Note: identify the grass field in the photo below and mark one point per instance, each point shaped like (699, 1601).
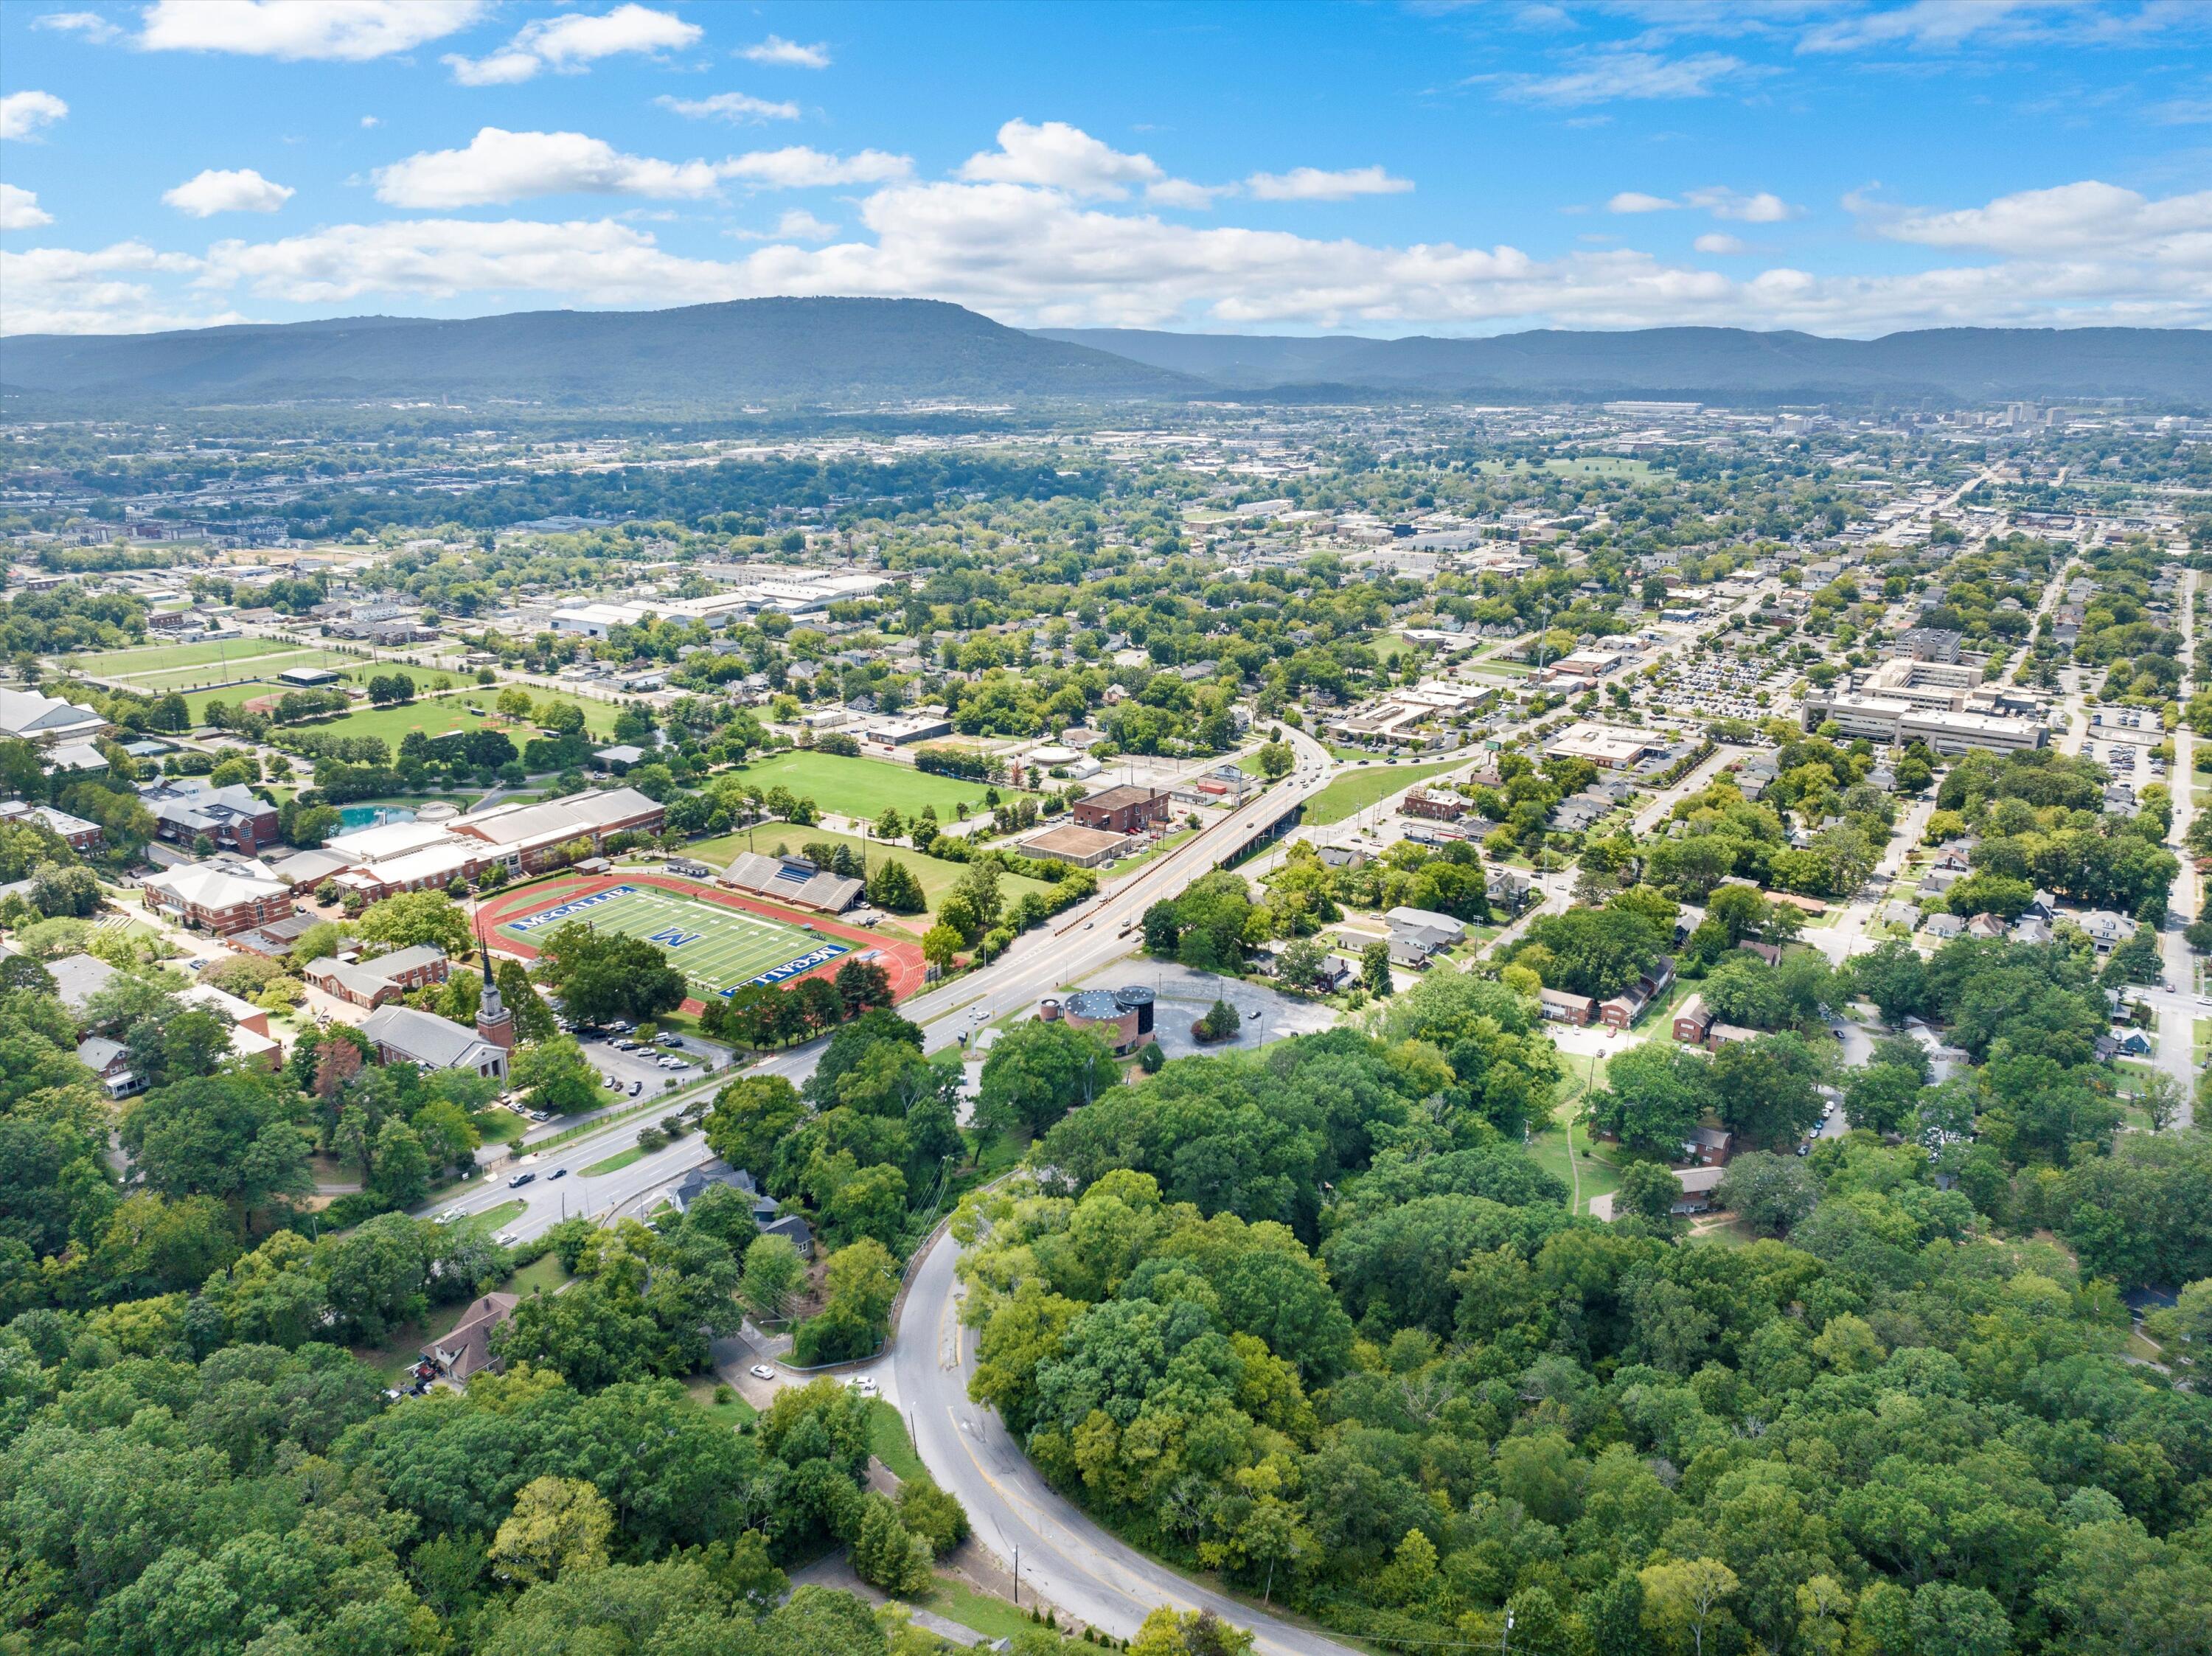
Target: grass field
(616, 1162)
(888, 1443)
(435, 716)
(866, 787)
(160, 657)
(260, 668)
(716, 947)
(935, 875)
(1356, 790)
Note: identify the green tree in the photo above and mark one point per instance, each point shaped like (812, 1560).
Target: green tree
(533, 1019)
(1649, 1191)
(1374, 968)
(750, 1116)
(416, 918)
(1039, 1071)
(893, 888)
(1770, 1193)
(1766, 1091)
(555, 1074)
(774, 1274)
(558, 1525)
(1654, 1096)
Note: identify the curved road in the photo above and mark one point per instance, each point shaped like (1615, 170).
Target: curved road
(1064, 1556)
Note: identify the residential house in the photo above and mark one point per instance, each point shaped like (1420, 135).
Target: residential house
(1944, 928)
(1707, 1147)
(1693, 1019)
(2106, 930)
(1623, 1009)
(464, 1349)
(1417, 934)
(1560, 1007)
(110, 1061)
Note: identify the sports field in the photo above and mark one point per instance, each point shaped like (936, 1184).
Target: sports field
(716, 946)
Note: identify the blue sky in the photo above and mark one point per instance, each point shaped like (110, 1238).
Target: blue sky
(1845, 166)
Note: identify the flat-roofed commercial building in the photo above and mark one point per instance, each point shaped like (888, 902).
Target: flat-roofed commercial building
(1892, 722)
(1607, 749)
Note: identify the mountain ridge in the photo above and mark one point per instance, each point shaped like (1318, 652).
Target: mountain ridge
(817, 351)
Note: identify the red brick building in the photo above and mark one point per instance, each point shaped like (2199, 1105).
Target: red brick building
(1123, 809)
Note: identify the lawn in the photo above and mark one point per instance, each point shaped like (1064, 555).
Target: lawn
(995, 1618)
(261, 669)
(1356, 790)
(865, 787)
(888, 1443)
(616, 1162)
(1563, 1149)
(716, 946)
(936, 875)
(435, 716)
(734, 1412)
(162, 657)
(489, 1221)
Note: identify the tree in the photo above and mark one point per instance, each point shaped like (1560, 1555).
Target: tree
(774, 1273)
(1894, 977)
(1767, 1090)
(1190, 1633)
(885, 1554)
(1655, 1094)
(1374, 968)
(558, 1524)
(403, 1166)
(1770, 1193)
(1683, 1596)
(933, 1514)
(1882, 1097)
(941, 946)
(416, 918)
(861, 985)
(893, 888)
(514, 703)
(1276, 759)
(978, 888)
(861, 1282)
(1649, 1191)
(750, 1116)
(554, 1075)
(2160, 1100)
(1596, 952)
(533, 1018)
(1221, 1022)
(603, 976)
(1037, 1072)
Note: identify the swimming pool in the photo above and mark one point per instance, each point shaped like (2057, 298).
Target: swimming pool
(361, 816)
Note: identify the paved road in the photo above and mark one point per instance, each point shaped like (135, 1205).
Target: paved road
(1065, 1556)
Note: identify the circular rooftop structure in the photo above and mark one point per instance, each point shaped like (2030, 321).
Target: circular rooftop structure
(1099, 1005)
(1135, 996)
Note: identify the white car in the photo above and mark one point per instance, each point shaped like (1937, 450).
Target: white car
(672, 1063)
(505, 1239)
(761, 1371)
(449, 1215)
(864, 1384)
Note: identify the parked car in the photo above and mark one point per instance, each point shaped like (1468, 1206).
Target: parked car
(672, 1063)
(635, 1087)
(668, 1040)
(761, 1371)
(520, 1180)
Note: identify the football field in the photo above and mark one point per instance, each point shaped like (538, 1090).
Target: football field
(716, 947)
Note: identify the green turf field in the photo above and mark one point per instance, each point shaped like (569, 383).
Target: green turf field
(435, 715)
(866, 787)
(1354, 789)
(717, 948)
(157, 658)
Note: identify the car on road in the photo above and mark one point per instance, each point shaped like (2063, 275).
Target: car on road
(864, 1384)
(506, 1239)
(520, 1180)
(761, 1371)
(449, 1215)
(557, 1173)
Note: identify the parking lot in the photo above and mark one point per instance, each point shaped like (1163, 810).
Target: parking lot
(642, 1067)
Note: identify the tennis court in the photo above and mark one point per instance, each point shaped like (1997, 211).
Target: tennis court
(716, 946)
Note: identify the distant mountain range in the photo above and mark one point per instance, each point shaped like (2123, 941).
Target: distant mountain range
(842, 351)
(754, 350)
(1712, 364)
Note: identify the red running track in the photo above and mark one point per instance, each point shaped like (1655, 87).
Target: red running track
(902, 960)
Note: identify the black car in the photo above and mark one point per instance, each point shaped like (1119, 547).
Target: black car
(520, 1178)
(557, 1173)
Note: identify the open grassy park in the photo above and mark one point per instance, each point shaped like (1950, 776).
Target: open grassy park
(435, 715)
(1357, 789)
(865, 787)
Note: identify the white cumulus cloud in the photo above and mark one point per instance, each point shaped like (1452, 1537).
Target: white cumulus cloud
(88, 24)
(350, 30)
(22, 113)
(730, 106)
(1714, 242)
(1722, 202)
(574, 41)
(19, 209)
(243, 190)
(1059, 157)
(61, 290)
(1314, 184)
(2071, 221)
(796, 225)
(787, 54)
(499, 166)
(1635, 201)
(798, 167)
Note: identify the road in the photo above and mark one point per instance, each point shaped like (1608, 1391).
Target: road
(1065, 1556)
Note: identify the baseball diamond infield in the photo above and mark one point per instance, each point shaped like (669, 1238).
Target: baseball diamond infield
(718, 939)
